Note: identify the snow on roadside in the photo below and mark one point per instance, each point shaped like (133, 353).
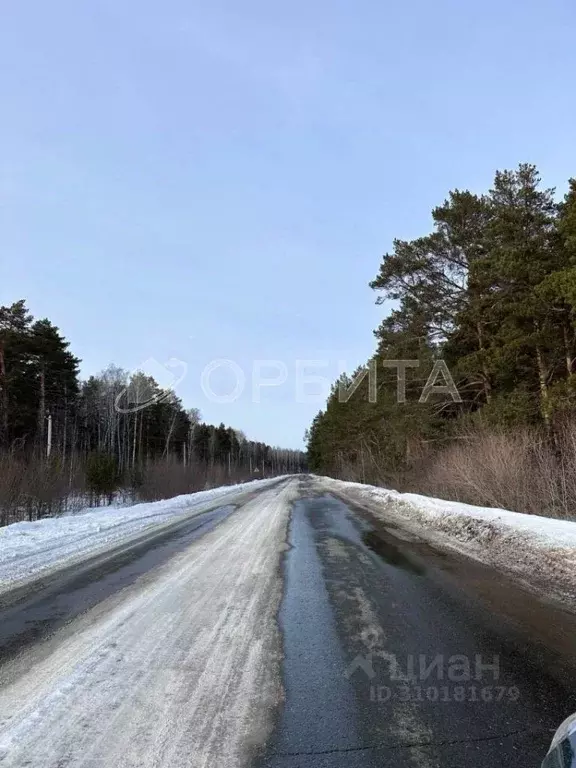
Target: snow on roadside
(29, 549)
(540, 551)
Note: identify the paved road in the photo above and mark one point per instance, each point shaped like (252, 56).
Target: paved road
(286, 630)
(364, 608)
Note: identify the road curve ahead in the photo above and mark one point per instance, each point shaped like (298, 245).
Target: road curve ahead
(289, 630)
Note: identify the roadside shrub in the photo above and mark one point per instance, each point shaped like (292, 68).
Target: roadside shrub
(102, 477)
(526, 471)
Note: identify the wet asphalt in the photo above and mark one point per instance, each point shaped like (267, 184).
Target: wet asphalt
(364, 607)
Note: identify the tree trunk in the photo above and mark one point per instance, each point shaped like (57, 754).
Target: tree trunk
(567, 351)
(169, 435)
(134, 439)
(486, 382)
(3, 398)
(544, 399)
(42, 406)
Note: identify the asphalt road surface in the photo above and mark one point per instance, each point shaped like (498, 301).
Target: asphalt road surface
(289, 629)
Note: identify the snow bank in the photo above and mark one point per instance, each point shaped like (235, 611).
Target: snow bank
(28, 549)
(541, 551)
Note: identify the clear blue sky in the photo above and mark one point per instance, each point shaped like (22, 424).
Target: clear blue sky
(200, 180)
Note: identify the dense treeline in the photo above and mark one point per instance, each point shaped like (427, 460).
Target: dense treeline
(492, 293)
(61, 437)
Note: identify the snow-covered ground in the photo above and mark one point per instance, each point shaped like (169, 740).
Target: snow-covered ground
(539, 551)
(28, 550)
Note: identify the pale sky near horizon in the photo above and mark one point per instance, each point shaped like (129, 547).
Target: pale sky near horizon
(197, 181)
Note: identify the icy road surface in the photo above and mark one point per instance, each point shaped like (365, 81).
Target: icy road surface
(29, 550)
(176, 670)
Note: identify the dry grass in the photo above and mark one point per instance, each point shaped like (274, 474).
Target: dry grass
(523, 471)
(32, 488)
(35, 488)
(164, 479)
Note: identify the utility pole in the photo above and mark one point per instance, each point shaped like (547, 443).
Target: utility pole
(49, 437)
